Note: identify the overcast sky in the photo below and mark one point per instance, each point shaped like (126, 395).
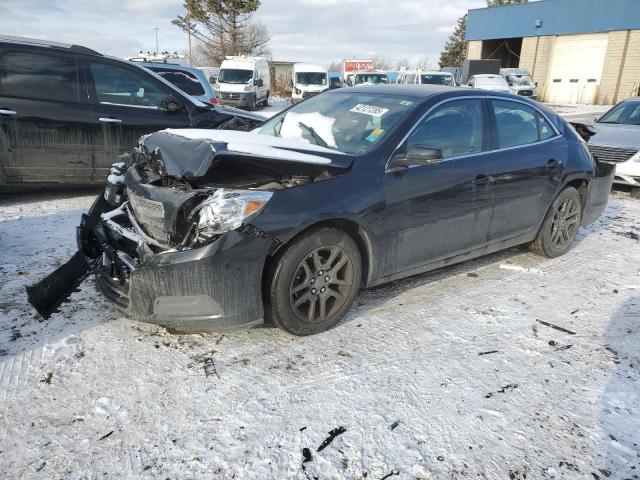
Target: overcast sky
(301, 30)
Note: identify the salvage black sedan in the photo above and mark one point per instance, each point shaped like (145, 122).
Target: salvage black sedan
(209, 229)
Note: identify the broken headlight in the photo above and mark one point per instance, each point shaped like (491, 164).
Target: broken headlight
(227, 210)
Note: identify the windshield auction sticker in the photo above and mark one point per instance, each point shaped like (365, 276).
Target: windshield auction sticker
(369, 110)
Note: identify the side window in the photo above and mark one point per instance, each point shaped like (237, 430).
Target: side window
(516, 123)
(185, 81)
(121, 86)
(546, 130)
(40, 77)
(455, 128)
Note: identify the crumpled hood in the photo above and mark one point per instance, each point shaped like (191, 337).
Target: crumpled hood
(191, 153)
(623, 136)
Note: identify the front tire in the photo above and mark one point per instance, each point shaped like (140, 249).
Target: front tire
(265, 103)
(314, 282)
(560, 226)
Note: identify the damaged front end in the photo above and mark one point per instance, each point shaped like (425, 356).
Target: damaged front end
(170, 242)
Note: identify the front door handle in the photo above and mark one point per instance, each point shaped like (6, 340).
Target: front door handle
(110, 120)
(551, 164)
(481, 180)
(6, 111)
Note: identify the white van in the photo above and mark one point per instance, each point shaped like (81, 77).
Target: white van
(426, 77)
(309, 79)
(373, 77)
(243, 82)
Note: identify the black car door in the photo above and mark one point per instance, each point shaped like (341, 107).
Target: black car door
(45, 122)
(439, 210)
(128, 102)
(526, 168)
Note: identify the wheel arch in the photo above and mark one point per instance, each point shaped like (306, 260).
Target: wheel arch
(349, 226)
(582, 186)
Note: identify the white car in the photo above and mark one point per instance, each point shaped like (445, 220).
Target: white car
(616, 138)
(426, 77)
(497, 83)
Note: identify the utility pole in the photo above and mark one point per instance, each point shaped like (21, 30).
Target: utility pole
(157, 49)
(189, 32)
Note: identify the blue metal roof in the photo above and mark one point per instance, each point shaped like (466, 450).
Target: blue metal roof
(556, 17)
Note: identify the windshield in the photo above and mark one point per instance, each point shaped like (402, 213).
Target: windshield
(499, 81)
(627, 113)
(232, 75)
(429, 79)
(311, 78)
(351, 123)
(371, 78)
(520, 80)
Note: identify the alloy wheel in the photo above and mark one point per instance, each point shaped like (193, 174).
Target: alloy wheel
(321, 284)
(565, 223)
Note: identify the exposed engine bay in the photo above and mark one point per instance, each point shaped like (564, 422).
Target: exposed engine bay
(177, 191)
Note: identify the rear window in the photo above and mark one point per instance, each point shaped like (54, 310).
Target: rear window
(185, 81)
(39, 77)
(519, 124)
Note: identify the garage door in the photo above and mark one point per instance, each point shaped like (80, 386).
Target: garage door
(576, 68)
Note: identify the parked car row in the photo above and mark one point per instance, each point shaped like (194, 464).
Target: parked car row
(67, 111)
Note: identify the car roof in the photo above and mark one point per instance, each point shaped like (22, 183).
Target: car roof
(487, 75)
(418, 91)
(16, 40)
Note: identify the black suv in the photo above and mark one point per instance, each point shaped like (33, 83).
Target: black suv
(67, 112)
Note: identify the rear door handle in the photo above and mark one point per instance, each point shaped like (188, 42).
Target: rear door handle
(110, 120)
(551, 164)
(6, 111)
(482, 180)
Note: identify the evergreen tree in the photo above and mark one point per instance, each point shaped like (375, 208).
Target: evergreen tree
(456, 48)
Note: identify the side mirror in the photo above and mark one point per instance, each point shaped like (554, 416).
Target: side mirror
(417, 155)
(169, 105)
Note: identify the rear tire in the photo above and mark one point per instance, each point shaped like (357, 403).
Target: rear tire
(560, 226)
(635, 192)
(314, 283)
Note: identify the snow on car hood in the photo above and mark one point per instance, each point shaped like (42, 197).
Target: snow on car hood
(623, 136)
(189, 153)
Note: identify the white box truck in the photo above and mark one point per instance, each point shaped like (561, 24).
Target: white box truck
(350, 67)
(309, 79)
(243, 82)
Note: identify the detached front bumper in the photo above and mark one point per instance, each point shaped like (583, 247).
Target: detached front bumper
(216, 287)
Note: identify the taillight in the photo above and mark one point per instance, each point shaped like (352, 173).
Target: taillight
(214, 101)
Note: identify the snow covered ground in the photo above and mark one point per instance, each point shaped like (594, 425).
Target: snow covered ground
(508, 367)
(276, 104)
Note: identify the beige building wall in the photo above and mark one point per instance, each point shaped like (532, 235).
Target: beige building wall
(535, 56)
(630, 78)
(613, 66)
(474, 50)
(621, 72)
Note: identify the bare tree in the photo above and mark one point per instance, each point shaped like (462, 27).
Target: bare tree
(403, 63)
(224, 27)
(424, 63)
(381, 63)
(334, 67)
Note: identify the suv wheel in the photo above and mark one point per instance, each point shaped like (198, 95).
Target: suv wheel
(560, 225)
(314, 282)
